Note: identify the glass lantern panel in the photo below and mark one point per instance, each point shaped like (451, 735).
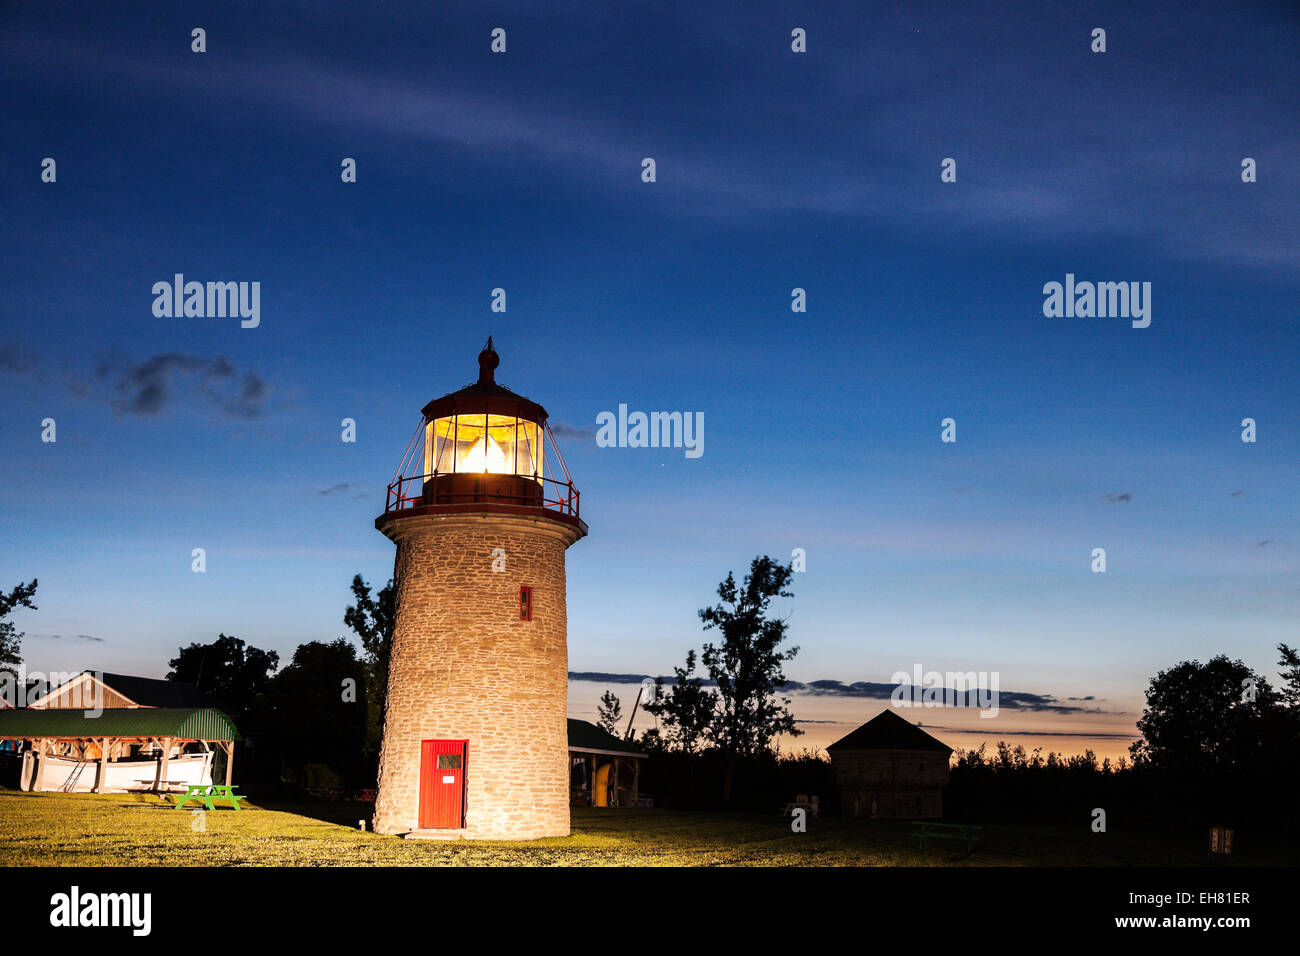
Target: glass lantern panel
(469, 444)
(525, 448)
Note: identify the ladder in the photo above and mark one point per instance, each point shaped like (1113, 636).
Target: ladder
(70, 784)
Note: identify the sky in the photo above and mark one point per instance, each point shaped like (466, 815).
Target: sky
(774, 170)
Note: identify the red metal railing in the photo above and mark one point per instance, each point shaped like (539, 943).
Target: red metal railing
(408, 492)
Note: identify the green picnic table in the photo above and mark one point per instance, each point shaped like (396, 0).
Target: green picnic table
(931, 829)
(206, 793)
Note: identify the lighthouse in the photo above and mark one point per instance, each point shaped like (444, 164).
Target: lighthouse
(482, 510)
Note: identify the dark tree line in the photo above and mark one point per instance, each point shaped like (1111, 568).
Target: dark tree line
(1219, 746)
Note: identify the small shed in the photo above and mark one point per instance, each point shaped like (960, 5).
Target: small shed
(889, 767)
(120, 749)
(604, 770)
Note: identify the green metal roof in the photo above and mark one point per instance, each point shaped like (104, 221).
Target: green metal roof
(186, 723)
(586, 736)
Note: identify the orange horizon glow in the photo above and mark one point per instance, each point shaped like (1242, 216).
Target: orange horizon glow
(826, 718)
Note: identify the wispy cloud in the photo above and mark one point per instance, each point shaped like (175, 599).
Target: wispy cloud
(1002, 732)
(871, 690)
(71, 637)
(16, 359)
(591, 144)
(151, 386)
(345, 487)
(573, 432)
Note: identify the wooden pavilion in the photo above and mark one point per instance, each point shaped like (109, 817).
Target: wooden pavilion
(604, 770)
(145, 748)
(137, 733)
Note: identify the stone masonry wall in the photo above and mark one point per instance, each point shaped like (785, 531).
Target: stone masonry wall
(464, 666)
(905, 783)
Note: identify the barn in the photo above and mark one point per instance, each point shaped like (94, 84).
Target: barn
(889, 767)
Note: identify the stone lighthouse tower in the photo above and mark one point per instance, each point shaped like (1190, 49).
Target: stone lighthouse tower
(475, 733)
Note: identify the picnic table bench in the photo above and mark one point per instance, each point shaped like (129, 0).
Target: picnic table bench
(932, 829)
(206, 793)
(364, 794)
(811, 805)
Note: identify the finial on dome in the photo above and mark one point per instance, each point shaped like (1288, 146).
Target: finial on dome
(488, 360)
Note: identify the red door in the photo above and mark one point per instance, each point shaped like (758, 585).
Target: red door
(442, 784)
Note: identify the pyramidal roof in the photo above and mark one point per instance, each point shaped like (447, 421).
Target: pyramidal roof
(888, 731)
(485, 395)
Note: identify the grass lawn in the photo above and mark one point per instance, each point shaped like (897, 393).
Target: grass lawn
(42, 829)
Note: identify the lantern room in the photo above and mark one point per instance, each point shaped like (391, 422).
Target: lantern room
(482, 446)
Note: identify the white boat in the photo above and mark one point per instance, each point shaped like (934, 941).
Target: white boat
(80, 776)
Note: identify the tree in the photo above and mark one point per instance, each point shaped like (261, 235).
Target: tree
(608, 713)
(748, 663)
(11, 639)
(1205, 717)
(235, 675)
(318, 716)
(743, 715)
(687, 710)
(11, 642)
(372, 619)
(1285, 730)
(1290, 664)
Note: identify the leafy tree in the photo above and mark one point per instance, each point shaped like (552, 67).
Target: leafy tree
(318, 714)
(1290, 664)
(687, 710)
(748, 663)
(1205, 717)
(11, 642)
(11, 639)
(372, 619)
(743, 715)
(608, 713)
(237, 675)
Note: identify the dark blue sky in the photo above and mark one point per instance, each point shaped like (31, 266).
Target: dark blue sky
(775, 170)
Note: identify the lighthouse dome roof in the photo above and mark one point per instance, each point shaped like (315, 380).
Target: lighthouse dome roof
(485, 395)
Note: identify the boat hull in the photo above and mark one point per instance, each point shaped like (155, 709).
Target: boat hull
(76, 776)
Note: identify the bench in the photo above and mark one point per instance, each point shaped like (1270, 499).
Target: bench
(811, 805)
(931, 830)
(206, 793)
(160, 786)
